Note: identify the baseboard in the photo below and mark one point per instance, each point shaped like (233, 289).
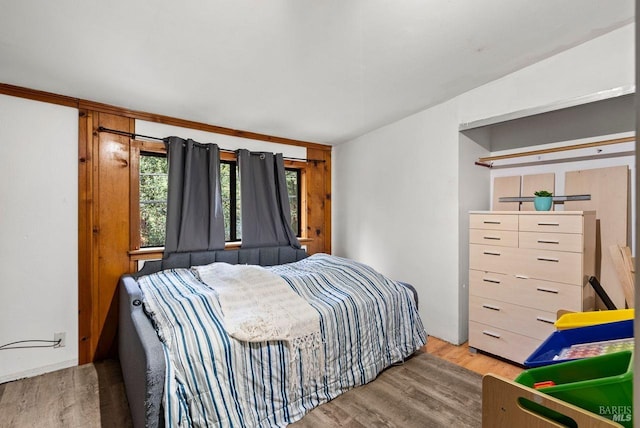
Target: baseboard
(39, 370)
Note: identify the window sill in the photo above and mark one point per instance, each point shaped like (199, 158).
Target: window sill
(150, 253)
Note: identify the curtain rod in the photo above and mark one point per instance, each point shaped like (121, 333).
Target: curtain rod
(134, 135)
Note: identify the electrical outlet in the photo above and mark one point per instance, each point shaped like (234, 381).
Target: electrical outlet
(60, 339)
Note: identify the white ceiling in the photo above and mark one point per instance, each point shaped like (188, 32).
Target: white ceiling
(317, 70)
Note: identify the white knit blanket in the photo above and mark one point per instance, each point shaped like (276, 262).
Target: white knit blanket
(258, 306)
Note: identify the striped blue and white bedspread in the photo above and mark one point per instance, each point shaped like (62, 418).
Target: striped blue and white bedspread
(368, 322)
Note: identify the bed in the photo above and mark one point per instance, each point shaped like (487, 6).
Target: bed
(145, 359)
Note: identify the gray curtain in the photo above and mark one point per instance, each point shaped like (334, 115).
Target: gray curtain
(195, 220)
(265, 210)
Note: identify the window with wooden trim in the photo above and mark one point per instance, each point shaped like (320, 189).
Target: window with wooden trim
(293, 178)
(151, 188)
(230, 200)
(153, 199)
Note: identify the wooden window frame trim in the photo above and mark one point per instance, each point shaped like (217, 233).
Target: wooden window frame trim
(136, 253)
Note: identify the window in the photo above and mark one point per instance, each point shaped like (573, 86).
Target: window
(230, 201)
(153, 199)
(293, 176)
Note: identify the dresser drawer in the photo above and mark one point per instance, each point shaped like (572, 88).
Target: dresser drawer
(492, 258)
(572, 242)
(515, 318)
(512, 346)
(551, 223)
(492, 285)
(493, 221)
(501, 238)
(543, 295)
(556, 266)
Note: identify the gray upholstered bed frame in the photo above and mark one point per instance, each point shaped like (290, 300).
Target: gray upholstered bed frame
(140, 350)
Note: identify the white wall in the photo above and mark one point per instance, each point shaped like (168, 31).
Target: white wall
(396, 208)
(474, 187)
(39, 234)
(601, 64)
(416, 235)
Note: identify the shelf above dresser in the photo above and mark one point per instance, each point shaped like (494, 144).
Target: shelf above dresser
(554, 198)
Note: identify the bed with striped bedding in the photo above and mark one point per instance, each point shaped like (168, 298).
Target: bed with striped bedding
(367, 321)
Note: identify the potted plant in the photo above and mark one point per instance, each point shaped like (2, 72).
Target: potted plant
(543, 200)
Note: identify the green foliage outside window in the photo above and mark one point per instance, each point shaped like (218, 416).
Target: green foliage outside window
(153, 200)
(230, 199)
(293, 189)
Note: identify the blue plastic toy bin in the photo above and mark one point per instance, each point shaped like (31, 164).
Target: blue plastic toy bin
(549, 351)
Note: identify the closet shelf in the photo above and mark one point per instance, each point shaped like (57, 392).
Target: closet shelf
(554, 198)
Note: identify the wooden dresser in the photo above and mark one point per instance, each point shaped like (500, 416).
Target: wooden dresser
(523, 267)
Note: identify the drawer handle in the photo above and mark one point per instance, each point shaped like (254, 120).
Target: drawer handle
(547, 241)
(548, 259)
(493, 238)
(491, 222)
(488, 333)
(493, 308)
(491, 253)
(543, 223)
(547, 290)
(493, 281)
(522, 277)
(544, 320)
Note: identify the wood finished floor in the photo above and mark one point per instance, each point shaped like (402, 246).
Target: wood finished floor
(92, 395)
(423, 392)
(87, 396)
(477, 362)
